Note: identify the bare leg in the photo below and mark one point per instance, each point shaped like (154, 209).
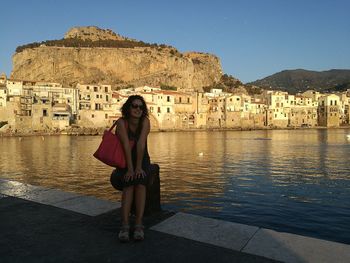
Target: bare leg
(140, 200)
(127, 197)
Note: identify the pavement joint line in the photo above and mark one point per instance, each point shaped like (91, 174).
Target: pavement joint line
(250, 239)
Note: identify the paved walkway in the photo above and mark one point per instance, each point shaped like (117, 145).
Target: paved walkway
(46, 225)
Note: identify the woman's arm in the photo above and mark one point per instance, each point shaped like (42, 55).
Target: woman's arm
(124, 138)
(141, 143)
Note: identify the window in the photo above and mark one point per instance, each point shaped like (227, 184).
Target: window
(168, 98)
(180, 99)
(92, 115)
(168, 110)
(188, 100)
(331, 102)
(45, 112)
(158, 109)
(335, 102)
(106, 116)
(95, 89)
(106, 97)
(106, 89)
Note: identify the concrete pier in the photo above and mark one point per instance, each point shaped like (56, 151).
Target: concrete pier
(38, 224)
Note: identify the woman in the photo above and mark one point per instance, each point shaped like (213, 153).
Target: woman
(134, 125)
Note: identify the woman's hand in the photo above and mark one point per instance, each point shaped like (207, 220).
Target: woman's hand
(139, 173)
(128, 176)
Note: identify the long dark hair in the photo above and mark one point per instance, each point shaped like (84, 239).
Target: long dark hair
(126, 110)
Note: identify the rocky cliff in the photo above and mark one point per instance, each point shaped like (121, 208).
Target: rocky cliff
(140, 64)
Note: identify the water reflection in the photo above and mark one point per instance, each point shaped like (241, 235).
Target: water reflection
(292, 180)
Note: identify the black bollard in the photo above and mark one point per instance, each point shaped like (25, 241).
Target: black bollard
(153, 191)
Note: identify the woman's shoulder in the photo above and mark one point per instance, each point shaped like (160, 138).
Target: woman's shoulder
(121, 122)
(146, 122)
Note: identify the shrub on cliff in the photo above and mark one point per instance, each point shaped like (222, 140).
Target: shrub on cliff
(76, 42)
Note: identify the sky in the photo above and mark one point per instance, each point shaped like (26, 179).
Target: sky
(252, 38)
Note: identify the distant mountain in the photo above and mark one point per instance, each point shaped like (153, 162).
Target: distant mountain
(300, 80)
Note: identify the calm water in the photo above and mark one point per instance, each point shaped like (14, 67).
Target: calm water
(294, 181)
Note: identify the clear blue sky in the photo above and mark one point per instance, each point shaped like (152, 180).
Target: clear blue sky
(253, 38)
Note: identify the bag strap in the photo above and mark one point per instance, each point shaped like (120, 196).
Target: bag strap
(115, 123)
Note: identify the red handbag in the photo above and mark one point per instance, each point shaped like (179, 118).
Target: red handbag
(111, 150)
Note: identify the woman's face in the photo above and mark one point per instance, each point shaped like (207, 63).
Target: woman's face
(136, 108)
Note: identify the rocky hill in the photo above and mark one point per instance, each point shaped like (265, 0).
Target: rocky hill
(300, 80)
(99, 56)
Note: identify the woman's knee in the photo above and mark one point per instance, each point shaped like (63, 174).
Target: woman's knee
(139, 187)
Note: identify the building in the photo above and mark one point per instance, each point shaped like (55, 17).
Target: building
(328, 111)
(95, 105)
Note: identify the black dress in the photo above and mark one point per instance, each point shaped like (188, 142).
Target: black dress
(117, 177)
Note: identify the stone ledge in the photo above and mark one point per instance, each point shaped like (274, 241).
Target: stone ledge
(270, 244)
(87, 205)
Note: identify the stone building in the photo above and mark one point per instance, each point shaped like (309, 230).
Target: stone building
(276, 114)
(95, 105)
(328, 111)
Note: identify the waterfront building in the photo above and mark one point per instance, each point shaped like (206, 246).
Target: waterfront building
(95, 105)
(201, 109)
(328, 110)
(164, 108)
(258, 113)
(234, 111)
(302, 116)
(14, 87)
(314, 95)
(217, 112)
(185, 110)
(276, 113)
(3, 95)
(344, 109)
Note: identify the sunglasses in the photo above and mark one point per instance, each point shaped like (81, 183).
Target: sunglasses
(135, 106)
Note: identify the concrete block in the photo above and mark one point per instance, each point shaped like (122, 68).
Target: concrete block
(294, 248)
(216, 232)
(17, 189)
(88, 205)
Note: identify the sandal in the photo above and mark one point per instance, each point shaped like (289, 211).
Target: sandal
(139, 235)
(124, 233)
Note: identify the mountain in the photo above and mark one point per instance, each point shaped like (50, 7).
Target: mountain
(300, 80)
(100, 56)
